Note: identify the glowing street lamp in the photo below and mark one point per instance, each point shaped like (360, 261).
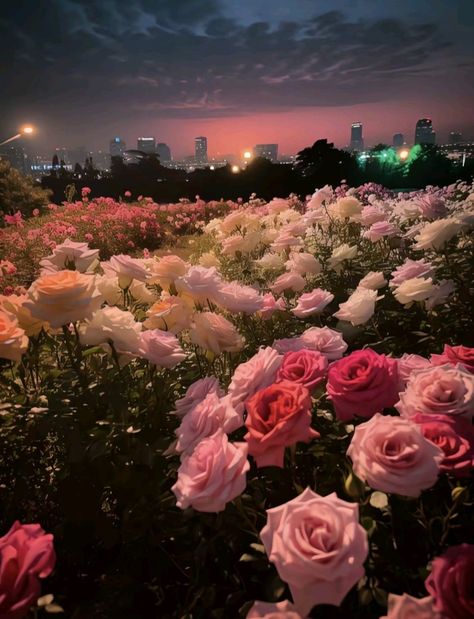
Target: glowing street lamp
(403, 154)
(235, 169)
(25, 130)
(247, 155)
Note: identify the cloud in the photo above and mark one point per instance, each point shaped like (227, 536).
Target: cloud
(187, 58)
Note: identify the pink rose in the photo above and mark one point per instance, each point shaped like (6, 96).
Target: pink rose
(199, 283)
(407, 607)
(208, 416)
(126, 269)
(277, 417)
(318, 547)
(234, 297)
(363, 383)
(249, 377)
(392, 455)
(322, 339)
(311, 303)
(161, 348)
(26, 554)
(450, 582)
(454, 436)
(167, 269)
(439, 390)
(306, 367)
(288, 281)
(281, 610)
(196, 393)
(270, 305)
(379, 230)
(454, 355)
(410, 269)
(213, 475)
(408, 364)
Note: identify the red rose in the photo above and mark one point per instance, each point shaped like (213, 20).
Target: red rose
(278, 416)
(26, 554)
(450, 582)
(362, 384)
(306, 367)
(455, 436)
(456, 354)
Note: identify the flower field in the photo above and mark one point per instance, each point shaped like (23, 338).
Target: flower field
(271, 418)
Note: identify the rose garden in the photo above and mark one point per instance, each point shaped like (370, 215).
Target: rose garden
(214, 410)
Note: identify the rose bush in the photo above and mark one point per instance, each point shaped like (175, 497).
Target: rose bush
(162, 415)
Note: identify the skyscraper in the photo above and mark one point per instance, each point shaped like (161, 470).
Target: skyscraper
(147, 145)
(267, 151)
(163, 151)
(424, 133)
(357, 141)
(455, 137)
(398, 140)
(200, 149)
(116, 147)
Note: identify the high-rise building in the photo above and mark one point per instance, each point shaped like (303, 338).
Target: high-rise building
(163, 151)
(455, 137)
(357, 141)
(398, 140)
(117, 147)
(147, 145)
(16, 156)
(424, 133)
(78, 155)
(267, 151)
(200, 149)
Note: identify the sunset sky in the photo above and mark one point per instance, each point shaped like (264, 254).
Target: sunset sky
(238, 72)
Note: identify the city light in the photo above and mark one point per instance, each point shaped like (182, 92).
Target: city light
(247, 154)
(211, 167)
(403, 154)
(235, 169)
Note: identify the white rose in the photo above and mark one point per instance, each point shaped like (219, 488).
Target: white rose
(343, 252)
(435, 234)
(373, 281)
(111, 324)
(303, 263)
(348, 207)
(414, 289)
(359, 307)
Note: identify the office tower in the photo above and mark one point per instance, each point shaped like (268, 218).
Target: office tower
(147, 145)
(62, 155)
(200, 149)
(267, 151)
(424, 133)
(398, 140)
(455, 137)
(163, 151)
(357, 141)
(116, 147)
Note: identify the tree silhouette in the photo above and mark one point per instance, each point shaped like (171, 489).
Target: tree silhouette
(322, 164)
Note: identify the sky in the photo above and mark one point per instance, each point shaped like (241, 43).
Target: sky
(239, 72)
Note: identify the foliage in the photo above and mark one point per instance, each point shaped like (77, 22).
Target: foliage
(19, 193)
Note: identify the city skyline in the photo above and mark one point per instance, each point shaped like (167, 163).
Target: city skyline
(261, 72)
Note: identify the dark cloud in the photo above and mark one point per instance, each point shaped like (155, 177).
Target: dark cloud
(189, 58)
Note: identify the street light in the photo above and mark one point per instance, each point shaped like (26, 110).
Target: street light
(25, 130)
(403, 154)
(247, 154)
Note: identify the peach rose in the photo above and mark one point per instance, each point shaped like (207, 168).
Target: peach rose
(213, 332)
(234, 297)
(13, 341)
(63, 297)
(166, 270)
(199, 283)
(15, 304)
(169, 313)
(288, 281)
(126, 269)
